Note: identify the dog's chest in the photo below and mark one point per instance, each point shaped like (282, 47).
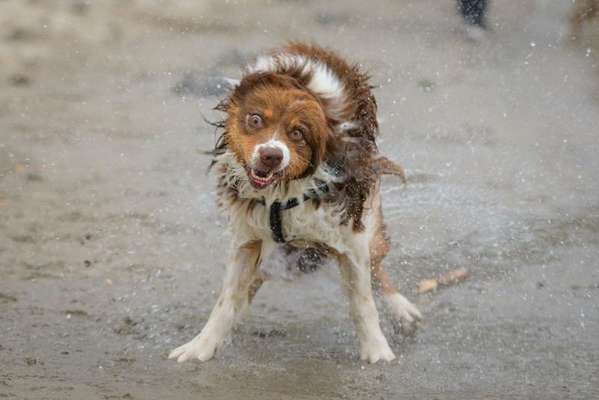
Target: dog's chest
(307, 209)
(304, 222)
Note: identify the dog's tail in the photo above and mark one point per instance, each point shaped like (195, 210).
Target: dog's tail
(384, 166)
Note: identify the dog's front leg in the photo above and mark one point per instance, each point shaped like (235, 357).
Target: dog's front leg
(239, 276)
(355, 272)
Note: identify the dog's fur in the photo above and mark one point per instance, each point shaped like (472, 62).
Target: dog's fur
(301, 119)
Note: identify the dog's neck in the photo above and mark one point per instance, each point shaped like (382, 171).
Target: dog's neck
(233, 175)
(278, 198)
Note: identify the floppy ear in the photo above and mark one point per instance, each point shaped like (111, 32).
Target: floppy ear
(323, 146)
(318, 145)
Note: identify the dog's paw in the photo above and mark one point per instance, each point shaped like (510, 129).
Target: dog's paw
(376, 349)
(201, 347)
(405, 314)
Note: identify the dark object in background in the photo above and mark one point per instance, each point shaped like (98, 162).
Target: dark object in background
(473, 12)
(582, 11)
(194, 84)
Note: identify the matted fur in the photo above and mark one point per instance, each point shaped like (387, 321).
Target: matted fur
(303, 85)
(351, 151)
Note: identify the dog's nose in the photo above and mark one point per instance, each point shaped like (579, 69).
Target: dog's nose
(271, 157)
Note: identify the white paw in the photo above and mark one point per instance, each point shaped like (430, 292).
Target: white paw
(376, 349)
(202, 347)
(403, 312)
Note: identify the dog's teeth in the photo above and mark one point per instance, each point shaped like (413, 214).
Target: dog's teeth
(262, 179)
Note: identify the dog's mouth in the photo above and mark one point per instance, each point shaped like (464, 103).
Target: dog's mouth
(261, 179)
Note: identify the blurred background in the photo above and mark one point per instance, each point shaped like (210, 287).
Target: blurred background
(112, 252)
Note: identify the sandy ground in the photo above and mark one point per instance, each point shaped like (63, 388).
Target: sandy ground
(111, 252)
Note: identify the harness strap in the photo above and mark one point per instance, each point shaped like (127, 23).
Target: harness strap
(275, 216)
(276, 222)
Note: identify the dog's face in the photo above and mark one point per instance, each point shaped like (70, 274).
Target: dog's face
(277, 129)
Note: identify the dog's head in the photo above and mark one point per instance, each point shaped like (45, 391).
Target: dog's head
(276, 128)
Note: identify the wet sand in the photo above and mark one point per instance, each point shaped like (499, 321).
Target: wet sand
(112, 253)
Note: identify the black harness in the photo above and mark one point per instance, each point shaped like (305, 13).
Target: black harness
(275, 213)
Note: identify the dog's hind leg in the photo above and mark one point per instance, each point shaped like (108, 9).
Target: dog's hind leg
(236, 293)
(405, 314)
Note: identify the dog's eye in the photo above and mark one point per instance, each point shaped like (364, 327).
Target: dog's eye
(296, 135)
(254, 121)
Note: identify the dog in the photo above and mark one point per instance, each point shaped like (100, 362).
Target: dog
(298, 173)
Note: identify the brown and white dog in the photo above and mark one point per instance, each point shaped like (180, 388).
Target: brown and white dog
(298, 175)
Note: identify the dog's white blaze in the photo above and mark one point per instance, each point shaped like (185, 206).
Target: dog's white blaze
(324, 82)
(276, 144)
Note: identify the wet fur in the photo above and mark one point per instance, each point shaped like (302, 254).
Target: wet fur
(345, 223)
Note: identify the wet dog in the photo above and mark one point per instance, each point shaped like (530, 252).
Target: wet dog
(298, 176)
